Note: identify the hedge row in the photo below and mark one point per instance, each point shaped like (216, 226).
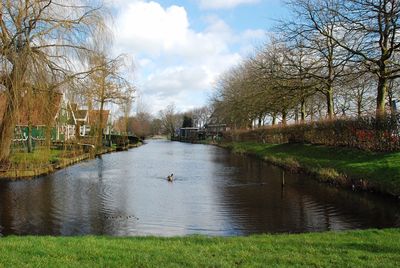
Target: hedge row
(366, 133)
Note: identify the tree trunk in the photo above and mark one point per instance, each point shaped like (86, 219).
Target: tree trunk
(329, 102)
(260, 117)
(7, 127)
(284, 117)
(302, 111)
(381, 97)
(7, 131)
(48, 131)
(49, 120)
(359, 106)
(312, 111)
(99, 142)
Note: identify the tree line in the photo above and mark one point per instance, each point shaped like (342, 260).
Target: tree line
(166, 122)
(330, 58)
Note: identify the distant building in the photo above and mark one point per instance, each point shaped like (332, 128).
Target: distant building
(189, 133)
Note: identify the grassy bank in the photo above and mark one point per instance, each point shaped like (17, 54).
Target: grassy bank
(24, 165)
(37, 157)
(358, 248)
(40, 162)
(347, 167)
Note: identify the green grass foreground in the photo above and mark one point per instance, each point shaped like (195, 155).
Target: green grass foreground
(380, 170)
(371, 248)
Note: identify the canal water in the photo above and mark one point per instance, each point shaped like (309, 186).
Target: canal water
(214, 193)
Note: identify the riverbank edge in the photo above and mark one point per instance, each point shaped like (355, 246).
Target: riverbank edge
(51, 168)
(322, 173)
(366, 248)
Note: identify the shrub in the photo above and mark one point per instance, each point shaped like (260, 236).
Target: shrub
(367, 133)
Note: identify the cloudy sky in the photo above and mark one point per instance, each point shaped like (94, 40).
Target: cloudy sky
(180, 47)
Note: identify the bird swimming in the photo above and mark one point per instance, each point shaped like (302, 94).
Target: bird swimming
(170, 178)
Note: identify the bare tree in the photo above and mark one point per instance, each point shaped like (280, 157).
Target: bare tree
(370, 31)
(201, 115)
(40, 35)
(108, 86)
(314, 23)
(169, 119)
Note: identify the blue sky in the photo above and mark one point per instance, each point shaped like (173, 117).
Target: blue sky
(181, 47)
(253, 15)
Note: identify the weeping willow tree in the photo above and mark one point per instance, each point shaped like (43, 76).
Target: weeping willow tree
(41, 44)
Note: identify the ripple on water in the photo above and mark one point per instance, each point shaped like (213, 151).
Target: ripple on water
(214, 193)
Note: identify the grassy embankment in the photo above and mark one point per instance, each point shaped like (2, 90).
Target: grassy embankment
(44, 161)
(39, 162)
(37, 157)
(343, 166)
(370, 248)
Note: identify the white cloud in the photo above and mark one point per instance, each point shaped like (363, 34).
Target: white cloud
(187, 78)
(224, 4)
(174, 80)
(148, 27)
(175, 62)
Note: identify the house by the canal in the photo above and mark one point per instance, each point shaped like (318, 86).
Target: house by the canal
(38, 112)
(42, 111)
(83, 122)
(193, 134)
(188, 133)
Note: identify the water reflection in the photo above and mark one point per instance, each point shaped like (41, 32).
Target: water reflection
(215, 193)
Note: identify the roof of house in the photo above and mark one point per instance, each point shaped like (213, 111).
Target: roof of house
(77, 114)
(94, 117)
(39, 109)
(80, 114)
(90, 117)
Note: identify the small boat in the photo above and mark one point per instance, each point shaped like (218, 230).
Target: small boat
(170, 178)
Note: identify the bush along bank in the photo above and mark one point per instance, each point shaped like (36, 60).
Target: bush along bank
(366, 133)
(345, 167)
